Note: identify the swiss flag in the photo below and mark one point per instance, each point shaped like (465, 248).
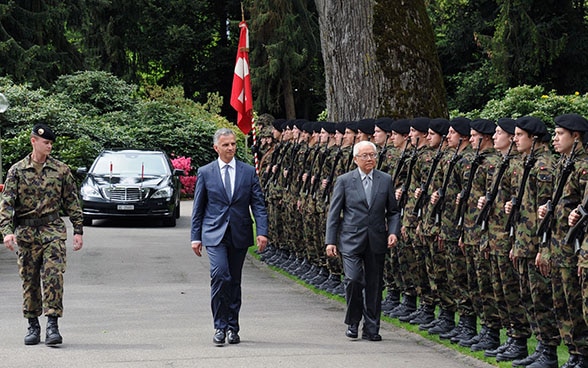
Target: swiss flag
(241, 98)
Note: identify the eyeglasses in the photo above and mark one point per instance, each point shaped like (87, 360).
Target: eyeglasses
(366, 156)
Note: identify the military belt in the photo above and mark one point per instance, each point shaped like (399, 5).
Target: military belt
(36, 222)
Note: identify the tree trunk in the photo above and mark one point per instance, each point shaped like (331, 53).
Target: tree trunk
(380, 60)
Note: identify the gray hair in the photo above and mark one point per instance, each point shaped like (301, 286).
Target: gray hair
(222, 132)
(358, 145)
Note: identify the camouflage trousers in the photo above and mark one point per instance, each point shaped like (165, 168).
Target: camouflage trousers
(312, 237)
(537, 298)
(457, 279)
(292, 227)
(392, 275)
(505, 284)
(407, 261)
(437, 274)
(274, 217)
(423, 256)
(41, 268)
(490, 315)
(567, 302)
(472, 291)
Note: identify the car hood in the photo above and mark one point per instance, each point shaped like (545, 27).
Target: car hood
(131, 181)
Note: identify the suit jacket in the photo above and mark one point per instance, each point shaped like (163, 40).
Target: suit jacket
(213, 211)
(361, 224)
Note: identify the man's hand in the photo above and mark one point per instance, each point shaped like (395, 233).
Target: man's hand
(261, 243)
(481, 202)
(197, 248)
(331, 250)
(574, 217)
(508, 207)
(392, 240)
(542, 211)
(543, 265)
(78, 242)
(10, 241)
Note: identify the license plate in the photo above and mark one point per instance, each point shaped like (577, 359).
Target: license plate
(125, 207)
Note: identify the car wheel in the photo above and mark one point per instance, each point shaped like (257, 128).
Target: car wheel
(87, 221)
(170, 221)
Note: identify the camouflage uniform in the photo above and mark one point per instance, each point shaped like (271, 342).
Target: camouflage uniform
(476, 244)
(505, 281)
(567, 297)
(536, 294)
(40, 191)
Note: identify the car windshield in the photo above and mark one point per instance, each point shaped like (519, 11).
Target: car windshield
(135, 163)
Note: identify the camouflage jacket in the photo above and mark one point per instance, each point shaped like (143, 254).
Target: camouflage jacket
(29, 195)
(482, 182)
(560, 253)
(419, 175)
(537, 192)
(427, 225)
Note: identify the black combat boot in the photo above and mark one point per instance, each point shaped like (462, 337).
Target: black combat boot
(52, 336)
(517, 350)
(392, 300)
(405, 308)
(501, 349)
(33, 336)
(427, 315)
(453, 332)
(474, 340)
(547, 358)
(468, 330)
(491, 340)
(446, 323)
(572, 361)
(523, 362)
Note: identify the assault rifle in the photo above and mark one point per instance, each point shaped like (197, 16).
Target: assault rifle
(546, 224)
(317, 180)
(318, 155)
(406, 184)
(267, 175)
(300, 184)
(331, 177)
(383, 153)
(439, 206)
(283, 153)
(514, 215)
(578, 231)
(288, 177)
(424, 197)
(482, 219)
(465, 195)
(400, 163)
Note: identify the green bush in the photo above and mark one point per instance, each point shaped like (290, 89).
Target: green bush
(92, 111)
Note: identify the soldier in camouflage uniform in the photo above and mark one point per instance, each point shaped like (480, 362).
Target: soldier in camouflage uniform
(445, 214)
(558, 259)
(505, 283)
(474, 240)
(410, 250)
(37, 188)
(536, 293)
(388, 154)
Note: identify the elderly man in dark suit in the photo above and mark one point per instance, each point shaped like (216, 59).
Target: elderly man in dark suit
(227, 192)
(364, 221)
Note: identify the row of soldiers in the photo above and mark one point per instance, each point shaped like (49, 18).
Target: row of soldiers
(493, 225)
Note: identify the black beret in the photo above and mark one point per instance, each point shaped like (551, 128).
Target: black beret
(483, 126)
(290, 124)
(420, 124)
(384, 124)
(317, 126)
(401, 126)
(572, 122)
(44, 131)
(366, 126)
(299, 123)
(308, 126)
(352, 125)
(329, 127)
(439, 126)
(461, 125)
(340, 127)
(532, 125)
(507, 124)
(278, 124)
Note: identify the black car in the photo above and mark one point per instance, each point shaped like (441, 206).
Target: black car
(131, 183)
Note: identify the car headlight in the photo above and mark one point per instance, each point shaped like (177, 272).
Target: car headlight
(89, 191)
(163, 193)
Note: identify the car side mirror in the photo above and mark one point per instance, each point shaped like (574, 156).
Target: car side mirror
(178, 172)
(82, 171)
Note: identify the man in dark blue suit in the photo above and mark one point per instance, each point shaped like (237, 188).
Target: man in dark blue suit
(227, 192)
(363, 222)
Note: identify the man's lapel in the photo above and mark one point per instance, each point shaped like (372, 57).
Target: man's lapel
(356, 177)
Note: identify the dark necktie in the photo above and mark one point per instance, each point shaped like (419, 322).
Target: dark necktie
(367, 186)
(228, 182)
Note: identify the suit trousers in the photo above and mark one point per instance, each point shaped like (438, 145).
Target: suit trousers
(364, 281)
(226, 266)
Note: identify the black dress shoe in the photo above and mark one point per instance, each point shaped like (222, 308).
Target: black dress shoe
(233, 337)
(219, 337)
(375, 337)
(352, 331)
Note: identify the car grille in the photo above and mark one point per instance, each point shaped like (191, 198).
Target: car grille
(125, 194)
